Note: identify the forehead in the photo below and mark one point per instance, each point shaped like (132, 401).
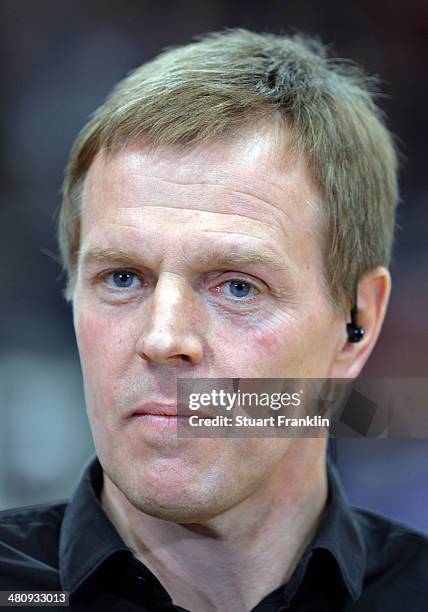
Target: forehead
(243, 185)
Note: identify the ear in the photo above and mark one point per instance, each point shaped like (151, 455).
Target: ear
(372, 299)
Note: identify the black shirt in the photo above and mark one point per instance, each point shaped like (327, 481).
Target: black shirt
(357, 561)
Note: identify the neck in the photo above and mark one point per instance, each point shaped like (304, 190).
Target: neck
(263, 537)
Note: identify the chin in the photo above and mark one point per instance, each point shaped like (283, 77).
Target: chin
(176, 505)
(162, 495)
(174, 514)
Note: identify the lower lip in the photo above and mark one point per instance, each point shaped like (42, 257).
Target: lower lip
(161, 421)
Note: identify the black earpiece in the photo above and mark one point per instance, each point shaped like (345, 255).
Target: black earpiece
(355, 331)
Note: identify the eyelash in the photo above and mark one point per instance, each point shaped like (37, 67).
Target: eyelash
(216, 289)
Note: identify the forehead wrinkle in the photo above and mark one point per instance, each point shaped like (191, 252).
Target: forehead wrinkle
(223, 231)
(228, 188)
(225, 183)
(276, 206)
(141, 208)
(235, 198)
(281, 196)
(253, 158)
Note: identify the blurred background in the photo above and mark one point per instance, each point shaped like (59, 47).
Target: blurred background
(58, 62)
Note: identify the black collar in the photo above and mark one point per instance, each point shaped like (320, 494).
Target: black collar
(340, 534)
(88, 539)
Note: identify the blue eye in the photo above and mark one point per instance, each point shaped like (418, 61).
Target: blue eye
(239, 288)
(123, 279)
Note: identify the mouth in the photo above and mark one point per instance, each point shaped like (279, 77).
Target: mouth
(163, 416)
(158, 419)
(157, 410)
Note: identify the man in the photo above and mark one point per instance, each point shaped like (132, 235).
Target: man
(224, 213)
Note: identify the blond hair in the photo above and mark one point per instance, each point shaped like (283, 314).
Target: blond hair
(226, 80)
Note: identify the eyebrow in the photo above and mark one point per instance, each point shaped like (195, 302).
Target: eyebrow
(116, 254)
(242, 258)
(210, 257)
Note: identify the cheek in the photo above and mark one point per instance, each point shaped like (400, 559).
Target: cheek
(252, 351)
(93, 339)
(272, 350)
(267, 340)
(101, 337)
(101, 349)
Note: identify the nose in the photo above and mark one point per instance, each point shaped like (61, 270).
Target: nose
(171, 328)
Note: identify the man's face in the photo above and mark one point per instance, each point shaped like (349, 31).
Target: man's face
(197, 262)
